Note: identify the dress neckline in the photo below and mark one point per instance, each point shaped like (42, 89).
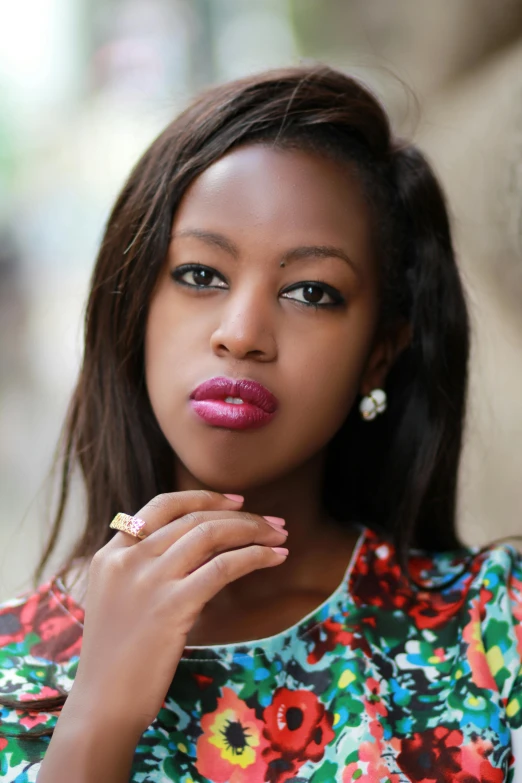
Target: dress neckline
(211, 651)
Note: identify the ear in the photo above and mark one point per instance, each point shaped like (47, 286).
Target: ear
(386, 350)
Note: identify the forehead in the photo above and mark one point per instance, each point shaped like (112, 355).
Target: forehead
(257, 187)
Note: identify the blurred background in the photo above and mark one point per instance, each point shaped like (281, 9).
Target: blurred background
(85, 86)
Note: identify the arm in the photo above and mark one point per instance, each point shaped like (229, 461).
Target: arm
(143, 598)
(89, 748)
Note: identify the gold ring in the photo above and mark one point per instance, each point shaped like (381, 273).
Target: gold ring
(128, 524)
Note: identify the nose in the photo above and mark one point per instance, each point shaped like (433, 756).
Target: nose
(246, 327)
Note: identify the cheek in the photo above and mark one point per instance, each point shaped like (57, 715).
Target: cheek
(317, 372)
(325, 376)
(326, 388)
(165, 340)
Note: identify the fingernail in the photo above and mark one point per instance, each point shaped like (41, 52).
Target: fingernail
(279, 550)
(278, 528)
(276, 520)
(235, 498)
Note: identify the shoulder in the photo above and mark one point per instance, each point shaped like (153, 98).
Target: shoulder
(39, 651)
(467, 603)
(491, 627)
(41, 623)
(497, 562)
(460, 571)
(443, 588)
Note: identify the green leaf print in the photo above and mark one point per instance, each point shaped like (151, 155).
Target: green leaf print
(325, 774)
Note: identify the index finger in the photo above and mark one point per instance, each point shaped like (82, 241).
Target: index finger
(165, 508)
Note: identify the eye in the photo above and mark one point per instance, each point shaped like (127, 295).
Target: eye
(197, 276)
(313, 294)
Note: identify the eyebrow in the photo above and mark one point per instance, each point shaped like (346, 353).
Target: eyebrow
(211, 238)
(295, 254)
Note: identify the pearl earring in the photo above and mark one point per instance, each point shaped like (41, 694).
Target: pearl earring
(372, 405)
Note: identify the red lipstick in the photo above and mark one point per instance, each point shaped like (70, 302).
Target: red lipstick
(234, 404)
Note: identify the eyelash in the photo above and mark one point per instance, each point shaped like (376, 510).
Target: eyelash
(178, 273)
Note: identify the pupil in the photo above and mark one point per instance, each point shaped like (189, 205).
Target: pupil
(201, 276)
(312, 293)
(294, 718)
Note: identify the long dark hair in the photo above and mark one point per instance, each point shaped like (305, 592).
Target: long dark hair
(398, 473)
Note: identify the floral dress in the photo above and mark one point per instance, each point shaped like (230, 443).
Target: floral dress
(382, 682)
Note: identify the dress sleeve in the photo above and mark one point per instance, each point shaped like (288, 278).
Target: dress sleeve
(40, 640)
(20, 758)
(498, 616)
(501, 627)
(514, 707)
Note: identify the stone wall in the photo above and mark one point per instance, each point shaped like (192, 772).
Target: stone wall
(473, 133)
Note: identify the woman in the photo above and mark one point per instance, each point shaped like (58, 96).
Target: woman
(274, 377)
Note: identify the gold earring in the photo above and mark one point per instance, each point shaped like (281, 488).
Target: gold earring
(373, 404)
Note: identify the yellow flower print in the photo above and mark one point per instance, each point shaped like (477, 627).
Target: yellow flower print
(230, 748)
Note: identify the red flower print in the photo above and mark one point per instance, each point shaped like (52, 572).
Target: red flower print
(382, 584)
(475, 762)
(281, 768)
(57, 635)
(433, 755)
(372, 763)
(33, 719)
(298, 728)
(230, 748)
(325, 637)
(17, 621)
(472, 634)
(203, 681)
(439, 756)
(433, 610)
(44, 693)
(374, 706)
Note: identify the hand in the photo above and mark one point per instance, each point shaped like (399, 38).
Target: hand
(144, 596)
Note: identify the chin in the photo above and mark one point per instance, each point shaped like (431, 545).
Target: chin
(229, 472)
(219, 480)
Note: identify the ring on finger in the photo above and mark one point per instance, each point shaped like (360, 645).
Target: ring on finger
(128, 524)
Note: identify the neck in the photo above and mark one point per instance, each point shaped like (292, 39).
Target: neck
(319, 548)
(296, 497)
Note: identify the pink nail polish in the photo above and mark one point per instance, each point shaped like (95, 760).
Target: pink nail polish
(276, 520)
(278, 528)
(280, 550)
(237, 498)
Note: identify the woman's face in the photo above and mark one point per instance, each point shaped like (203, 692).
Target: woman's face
(259, 238)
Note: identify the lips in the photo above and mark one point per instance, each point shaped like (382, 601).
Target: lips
(248, 391)
(249, 403)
